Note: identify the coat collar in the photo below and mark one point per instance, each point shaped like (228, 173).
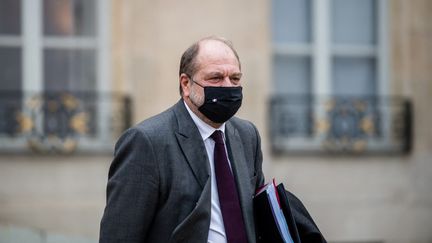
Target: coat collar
(204, 129)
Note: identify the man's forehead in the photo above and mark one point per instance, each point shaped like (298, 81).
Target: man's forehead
(214, 45)
(215, 51)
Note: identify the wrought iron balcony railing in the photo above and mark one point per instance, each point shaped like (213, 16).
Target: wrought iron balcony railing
(358, 125)
(61, 122)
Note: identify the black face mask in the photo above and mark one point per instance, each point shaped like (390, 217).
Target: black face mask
(221, 103)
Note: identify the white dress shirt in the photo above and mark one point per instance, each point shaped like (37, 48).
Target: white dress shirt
(217, 229)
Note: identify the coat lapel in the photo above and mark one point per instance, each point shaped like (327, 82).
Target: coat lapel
(193, 148)
(242, 177)
(191, 143)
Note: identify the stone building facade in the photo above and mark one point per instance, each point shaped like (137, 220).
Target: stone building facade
(354, 197)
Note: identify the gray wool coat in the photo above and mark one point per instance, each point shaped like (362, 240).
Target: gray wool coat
(159, 181)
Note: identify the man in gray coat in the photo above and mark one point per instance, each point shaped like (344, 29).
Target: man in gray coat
(189, 173)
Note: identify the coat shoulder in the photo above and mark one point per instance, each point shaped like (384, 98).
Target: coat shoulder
(244, 127)
(157, 125)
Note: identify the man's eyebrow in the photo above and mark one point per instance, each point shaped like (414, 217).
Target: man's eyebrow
(214, 74)
(236, 75)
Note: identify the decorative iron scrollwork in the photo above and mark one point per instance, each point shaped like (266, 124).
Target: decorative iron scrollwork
(339, 124)
(53, 122)
(61, 122)
(351, 123)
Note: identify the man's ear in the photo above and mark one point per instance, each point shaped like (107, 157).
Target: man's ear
(184, 84)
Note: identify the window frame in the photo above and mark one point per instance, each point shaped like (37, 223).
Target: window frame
(322, 51)
(33, 42)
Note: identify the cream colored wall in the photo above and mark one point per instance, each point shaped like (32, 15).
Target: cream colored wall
(152, 35)
(412, 63)
(53, 194)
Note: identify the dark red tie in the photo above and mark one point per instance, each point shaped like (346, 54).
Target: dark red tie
(228, 196)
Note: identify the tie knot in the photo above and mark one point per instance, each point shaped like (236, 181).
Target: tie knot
(217, 136)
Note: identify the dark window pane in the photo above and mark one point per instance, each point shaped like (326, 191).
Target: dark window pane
(10, 17)
(291, 21)
(69, 17)
(354, 76)
(10, 63)
(292, 75)
(354, 22)
(10, 89)
(72, 70)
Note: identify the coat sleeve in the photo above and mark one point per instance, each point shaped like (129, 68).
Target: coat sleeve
(307, 229)
(258, 160)
(132, 190)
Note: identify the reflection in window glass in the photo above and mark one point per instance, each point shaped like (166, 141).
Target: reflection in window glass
(292, 75)
(354, 76)
(291, 21)
(69, 17)
(72, 70)
(354, 22)
(10, 17)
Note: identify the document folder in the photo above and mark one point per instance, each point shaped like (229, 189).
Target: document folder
(273, 218)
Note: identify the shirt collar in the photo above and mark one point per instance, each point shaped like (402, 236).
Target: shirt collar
(205, 129)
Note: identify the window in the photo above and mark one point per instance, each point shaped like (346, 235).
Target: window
(56, 80)
(325, 47)
(10, 61)
(330, 76)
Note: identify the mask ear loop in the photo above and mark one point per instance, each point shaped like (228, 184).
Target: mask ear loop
(213, 100)
(190, 78)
